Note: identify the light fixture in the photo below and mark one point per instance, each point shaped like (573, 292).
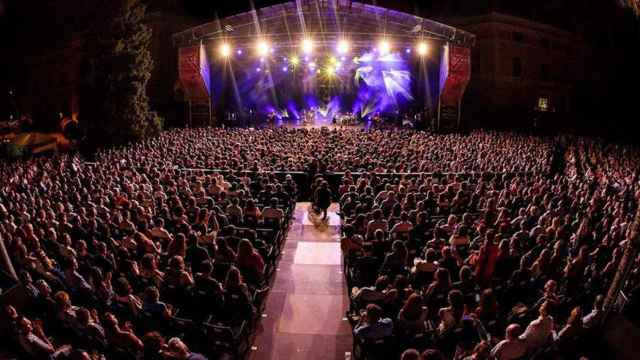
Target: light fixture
(262, 48)
(294, 60)
(343, 46)
(330, 70)
(225, 49)
(307, 46)
(384, 47)
(422, 48)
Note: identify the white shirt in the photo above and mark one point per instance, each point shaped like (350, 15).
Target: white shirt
(538, 332)
(509, 349)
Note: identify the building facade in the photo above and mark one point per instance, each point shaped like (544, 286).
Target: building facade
(520, 67)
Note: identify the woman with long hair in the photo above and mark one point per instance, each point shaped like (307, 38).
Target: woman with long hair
(413, 315)
(249, 258)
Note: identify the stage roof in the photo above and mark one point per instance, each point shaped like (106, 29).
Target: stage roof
(325, 21)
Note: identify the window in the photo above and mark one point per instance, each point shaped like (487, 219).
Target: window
(543, 103)
(518, 37)
(517, 67)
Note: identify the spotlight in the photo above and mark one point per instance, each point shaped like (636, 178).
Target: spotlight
(258, 69)
(343, 46)
(333, 60)
(307, 46)
(294, 60)
(263, 48)
(312, 65)
(407, 50)
(422, 48)
(225, 50)
(384, 47)
(239, 52)
(285, 69)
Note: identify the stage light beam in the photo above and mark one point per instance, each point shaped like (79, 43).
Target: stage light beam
(263, 48)
(225, 50)
(343, 47)
(422, 48)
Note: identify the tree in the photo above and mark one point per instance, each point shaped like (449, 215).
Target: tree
(114, 104)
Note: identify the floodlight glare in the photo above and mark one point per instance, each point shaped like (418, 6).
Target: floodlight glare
(384, 47)
(422, 48)
(263, 48)
(307, 46)
(331, 70)
(225, 50)
(343, 46)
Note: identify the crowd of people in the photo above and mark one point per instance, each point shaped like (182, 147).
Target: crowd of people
(121, 261)
(455, 246)
(337, 150)
(498, 266)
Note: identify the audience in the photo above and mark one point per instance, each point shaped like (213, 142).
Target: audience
(466, 238)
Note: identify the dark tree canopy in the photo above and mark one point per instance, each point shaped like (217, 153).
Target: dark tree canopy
(115, 106)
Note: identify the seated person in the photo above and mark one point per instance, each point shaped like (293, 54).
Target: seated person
(372, 326)
(372, 293)
(249, 258)
(272, 212)
(153, 306)
(540, 331)
(33, 340)
(412, 316)
(511, 347)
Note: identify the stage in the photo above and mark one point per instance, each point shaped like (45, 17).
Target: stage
(328, 58)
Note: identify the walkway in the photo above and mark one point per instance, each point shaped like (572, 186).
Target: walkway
(304, 314)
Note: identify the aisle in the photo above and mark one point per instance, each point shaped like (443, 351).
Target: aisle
(304, 314)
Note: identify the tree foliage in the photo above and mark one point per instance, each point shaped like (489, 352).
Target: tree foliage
(115, 106)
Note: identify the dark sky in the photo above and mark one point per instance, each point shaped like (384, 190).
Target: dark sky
(49, 21)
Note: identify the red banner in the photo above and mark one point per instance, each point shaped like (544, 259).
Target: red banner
(459, 73)
(189, 73)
